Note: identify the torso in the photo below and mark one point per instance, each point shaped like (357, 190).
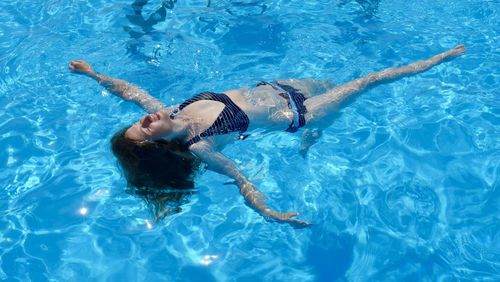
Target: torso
(263, 106)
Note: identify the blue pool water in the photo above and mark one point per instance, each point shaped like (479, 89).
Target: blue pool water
(402, 186)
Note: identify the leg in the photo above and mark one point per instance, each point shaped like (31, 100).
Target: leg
(319, 107)
(309, 138)
(308, 86)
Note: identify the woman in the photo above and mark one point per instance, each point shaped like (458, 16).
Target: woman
(208, 121)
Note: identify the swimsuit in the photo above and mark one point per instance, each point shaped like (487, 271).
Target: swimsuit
(295, 103)
(231, 119)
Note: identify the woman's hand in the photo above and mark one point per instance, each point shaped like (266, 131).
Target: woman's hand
(256, 199)
(286, 218)
(81, 67)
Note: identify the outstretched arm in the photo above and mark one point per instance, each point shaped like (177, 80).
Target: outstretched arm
(118, 87)
(221, 164)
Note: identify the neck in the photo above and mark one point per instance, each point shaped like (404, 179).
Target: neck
(179, 130)
(171, 109)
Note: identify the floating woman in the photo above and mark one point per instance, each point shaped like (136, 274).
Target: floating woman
(163, 149)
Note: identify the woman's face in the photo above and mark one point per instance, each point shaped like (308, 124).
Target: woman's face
(150, 127)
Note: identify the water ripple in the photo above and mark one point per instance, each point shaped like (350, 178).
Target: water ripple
(403, 185)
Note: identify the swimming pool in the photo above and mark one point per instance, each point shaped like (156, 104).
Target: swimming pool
(403, 185)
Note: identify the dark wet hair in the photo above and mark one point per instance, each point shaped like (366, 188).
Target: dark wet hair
(161, 172)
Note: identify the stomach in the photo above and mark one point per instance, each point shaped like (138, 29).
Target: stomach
(263, 106)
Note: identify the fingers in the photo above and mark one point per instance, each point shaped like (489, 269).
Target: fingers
(299, 223)
(291, 214)
(288, 218)
(461, 49)
(296, 222)
(80, 67)
(455, 52)
(77, 63)
(74, 64)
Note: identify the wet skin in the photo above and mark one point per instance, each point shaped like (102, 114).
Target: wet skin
(150, 127)
(159, 124)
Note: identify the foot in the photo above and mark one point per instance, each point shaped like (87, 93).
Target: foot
(81, 67)
(309, 138)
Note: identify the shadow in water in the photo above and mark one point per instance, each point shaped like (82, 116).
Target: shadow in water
(246, 27)
(141, 25)
(162, 203)
(253, 33)
(331, 263)
(370, 7)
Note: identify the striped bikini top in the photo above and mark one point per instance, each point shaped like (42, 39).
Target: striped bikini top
(231, 119)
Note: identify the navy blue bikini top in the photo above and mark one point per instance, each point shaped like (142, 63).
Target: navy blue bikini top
(231, 119)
